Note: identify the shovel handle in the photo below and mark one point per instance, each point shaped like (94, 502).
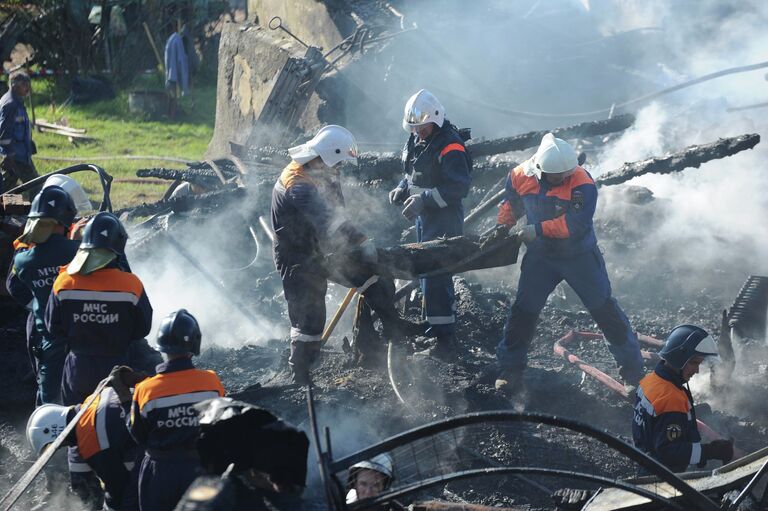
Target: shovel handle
(339, 312)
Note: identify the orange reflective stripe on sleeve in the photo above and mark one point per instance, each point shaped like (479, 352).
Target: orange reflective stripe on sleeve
(524, 185)
(452, 147)
(555, 228)
(506, 216)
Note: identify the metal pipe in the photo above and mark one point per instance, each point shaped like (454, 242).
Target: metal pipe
(691, 494)
(372, 503)
(267, 228)
(213, 280)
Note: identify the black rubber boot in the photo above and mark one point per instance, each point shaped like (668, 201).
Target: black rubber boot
(510, 384)
(303, 355)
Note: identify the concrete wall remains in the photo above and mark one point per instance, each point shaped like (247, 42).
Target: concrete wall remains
(318, 23)
(250, 58)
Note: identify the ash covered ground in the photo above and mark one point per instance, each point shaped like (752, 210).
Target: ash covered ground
(360, 407)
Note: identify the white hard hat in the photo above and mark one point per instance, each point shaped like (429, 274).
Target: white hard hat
(45, 424)
(422, 108)
(333, 144)
(382, 464)
(73, 188)
(554, 156)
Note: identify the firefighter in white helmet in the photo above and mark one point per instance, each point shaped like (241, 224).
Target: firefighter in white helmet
(309, 220)
(369, 478)
(99, 446)
(558, 198)
(437, 177)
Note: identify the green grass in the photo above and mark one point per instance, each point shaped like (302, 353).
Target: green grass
(119, 132)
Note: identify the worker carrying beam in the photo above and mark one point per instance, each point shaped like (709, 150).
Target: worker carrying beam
(437, 177)
(163, 419)
(101, 440)
(309, 220)
(558, 198)
(40, 251)
(664, 424)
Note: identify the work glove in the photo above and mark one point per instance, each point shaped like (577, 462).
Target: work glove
(76, 231)
(397, 195)
(414, 205)
(368, 251)
(527, 233)
(717, 450)
(490, 238)
(122, 379)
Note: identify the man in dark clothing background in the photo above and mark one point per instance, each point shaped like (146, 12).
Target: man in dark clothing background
(16, 143)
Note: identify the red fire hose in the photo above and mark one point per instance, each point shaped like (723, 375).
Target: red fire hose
(576, 337)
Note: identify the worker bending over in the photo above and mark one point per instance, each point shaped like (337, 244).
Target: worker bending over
(309, 221)
(40, 251)
(101, 439)
(664, 424)
(437, 177)
(163, 419)
(558, 198)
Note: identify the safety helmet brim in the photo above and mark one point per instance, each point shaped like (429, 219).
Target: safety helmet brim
(88, 260)
(38, 230)
(302, 154)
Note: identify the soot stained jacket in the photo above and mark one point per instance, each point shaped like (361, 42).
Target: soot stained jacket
(664, 425)
(561, 213)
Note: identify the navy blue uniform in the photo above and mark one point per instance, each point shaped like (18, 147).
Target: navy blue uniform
(664, 425)
(97, 316)
(15, 131)
(15, 141)
(164, 422)
(438, 169)
(23, 296)
(35, 270)
(101, 442)
(308, 220)
(565, 249)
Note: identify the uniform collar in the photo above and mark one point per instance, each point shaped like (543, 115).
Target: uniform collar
(177, 364)
(668, 374)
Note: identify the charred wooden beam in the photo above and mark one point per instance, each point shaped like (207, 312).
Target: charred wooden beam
(533, 138)
(692, 156)
(389, 165)
(439, 257)
(213, 200)
(201, 176)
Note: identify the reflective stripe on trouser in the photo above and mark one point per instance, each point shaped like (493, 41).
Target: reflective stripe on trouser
(439, 296)
(162, 483)
(305, 295)
(587, 276)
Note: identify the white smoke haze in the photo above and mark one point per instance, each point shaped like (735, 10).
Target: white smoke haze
(171, 282)
(505, 54)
